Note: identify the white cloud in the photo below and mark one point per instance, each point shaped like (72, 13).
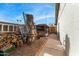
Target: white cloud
(38, 12)
(5, 18)
(44, 17)
(41, 15)
(20, 17)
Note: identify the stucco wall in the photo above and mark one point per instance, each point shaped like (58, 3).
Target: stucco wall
(68, 27)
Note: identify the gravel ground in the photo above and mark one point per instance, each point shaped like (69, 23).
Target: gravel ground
(30, 50)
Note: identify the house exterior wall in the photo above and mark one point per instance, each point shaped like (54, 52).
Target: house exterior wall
(10, 27)
(68, 28)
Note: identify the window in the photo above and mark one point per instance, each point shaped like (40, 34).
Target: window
(10, 28)
(0, 27)
(15, 28)
(5, 27)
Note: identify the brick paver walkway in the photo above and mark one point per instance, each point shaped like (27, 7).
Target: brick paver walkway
(46, 46)
(53, 46)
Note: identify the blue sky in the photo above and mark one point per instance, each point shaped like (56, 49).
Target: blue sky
(44, 13)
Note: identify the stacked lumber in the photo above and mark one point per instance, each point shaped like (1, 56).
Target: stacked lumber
(52, 29)
(10, 39)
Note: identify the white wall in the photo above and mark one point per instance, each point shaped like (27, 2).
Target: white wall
(68, 21)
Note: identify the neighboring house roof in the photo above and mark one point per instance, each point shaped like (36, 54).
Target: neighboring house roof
(9, 23)
(42, 25)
